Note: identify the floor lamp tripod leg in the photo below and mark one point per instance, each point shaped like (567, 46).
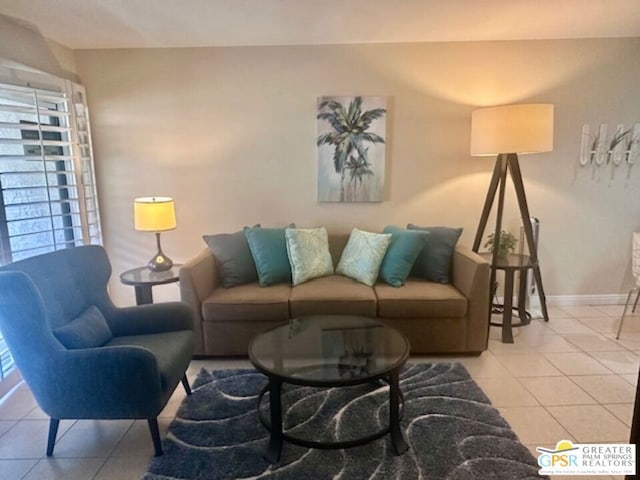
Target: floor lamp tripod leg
(518, 185)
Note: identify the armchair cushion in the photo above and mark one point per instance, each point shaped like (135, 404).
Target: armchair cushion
(87, 330)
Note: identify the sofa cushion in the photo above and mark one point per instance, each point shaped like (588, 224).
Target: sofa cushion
(172, 351)
(269, 250)
(332, 295)
(233, 258)
(308, 251)
(87, 330)
(434, 262)
(403, 250)
(362, 256)
(247, 302)
(420, 299)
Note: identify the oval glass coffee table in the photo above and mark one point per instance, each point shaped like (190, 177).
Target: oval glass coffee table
(329, 351)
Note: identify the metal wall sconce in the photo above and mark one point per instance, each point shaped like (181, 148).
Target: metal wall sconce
(622, 147)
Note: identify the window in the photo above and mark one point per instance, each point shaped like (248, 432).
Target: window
(48, 197)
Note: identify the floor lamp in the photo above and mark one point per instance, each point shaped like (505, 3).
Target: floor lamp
(508, 131)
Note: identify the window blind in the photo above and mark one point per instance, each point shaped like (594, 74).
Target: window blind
(48, 195)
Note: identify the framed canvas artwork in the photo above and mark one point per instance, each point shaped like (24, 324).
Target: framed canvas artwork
(351, 148)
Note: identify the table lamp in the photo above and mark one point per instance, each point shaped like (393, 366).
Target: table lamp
(508, 131)
(155, 214)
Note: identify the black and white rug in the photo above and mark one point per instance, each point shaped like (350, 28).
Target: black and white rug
(451, 428)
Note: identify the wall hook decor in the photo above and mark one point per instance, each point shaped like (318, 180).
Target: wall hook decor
(600, 148)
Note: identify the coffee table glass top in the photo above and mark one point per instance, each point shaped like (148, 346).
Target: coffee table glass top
(331, 349)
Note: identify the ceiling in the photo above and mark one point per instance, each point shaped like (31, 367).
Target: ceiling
(86, 24)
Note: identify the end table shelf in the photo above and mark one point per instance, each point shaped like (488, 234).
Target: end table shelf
(511, 264)
(143, 280)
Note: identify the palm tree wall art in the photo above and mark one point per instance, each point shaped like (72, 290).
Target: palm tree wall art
(351, 149)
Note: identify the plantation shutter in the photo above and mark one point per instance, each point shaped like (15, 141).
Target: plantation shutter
(48, 195)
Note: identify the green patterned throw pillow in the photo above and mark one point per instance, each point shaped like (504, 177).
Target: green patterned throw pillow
(308, 250)
(362, 256)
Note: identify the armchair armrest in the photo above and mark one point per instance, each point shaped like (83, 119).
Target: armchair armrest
(470, 276)
(103, 382)
(154, 318)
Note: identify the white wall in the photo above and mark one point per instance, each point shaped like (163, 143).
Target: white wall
(230, 134)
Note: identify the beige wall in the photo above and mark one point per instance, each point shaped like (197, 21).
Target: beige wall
(230, 133)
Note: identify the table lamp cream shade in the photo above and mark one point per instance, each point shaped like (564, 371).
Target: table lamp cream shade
(154, 214)
(526, 128)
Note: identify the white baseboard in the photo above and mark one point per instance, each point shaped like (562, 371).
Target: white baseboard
(577, 300)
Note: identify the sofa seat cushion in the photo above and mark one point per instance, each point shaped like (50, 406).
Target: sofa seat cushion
(332, 295)
(420, 299)
(172, 351)
(248, 302)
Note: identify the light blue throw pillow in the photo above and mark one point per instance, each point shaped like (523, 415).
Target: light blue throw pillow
(405, 247)
(362, 256)
(308, 250)
(269, 250)
(434, 262)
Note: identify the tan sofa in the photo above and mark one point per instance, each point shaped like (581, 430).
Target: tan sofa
(436, 318)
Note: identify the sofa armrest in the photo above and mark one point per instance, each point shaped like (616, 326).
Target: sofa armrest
(470, 276)
(148, 319)
(198, 279)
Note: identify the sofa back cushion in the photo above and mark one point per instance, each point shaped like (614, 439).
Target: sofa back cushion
(337, 242)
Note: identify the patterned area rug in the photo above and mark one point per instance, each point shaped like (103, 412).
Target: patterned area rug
(451, 428)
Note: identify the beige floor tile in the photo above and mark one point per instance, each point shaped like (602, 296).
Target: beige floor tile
(91, 438)
(569, 325)
(590, 423)
(123, 468)
(583, 310)
(65, 469)
(551, 343)
(593, 342)
(15, 469)
(556, 312)
(5, 426)
(618, 362)
(629, 340)
(604, 324)
(528, 365)
(611, 310)
(606, 388)
(506, 392)
(576, 364)
(534, 425)
(136, 442)
(18, 404)
(630, 377)
(556, 391)
(518, 347)
(624, 411)
(28, 439)
(484, 366)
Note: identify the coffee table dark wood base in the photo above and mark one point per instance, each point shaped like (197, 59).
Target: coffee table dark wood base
(274, 387)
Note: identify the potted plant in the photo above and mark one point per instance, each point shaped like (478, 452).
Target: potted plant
(506, 244)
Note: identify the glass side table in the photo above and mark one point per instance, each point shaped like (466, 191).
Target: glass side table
(511, 264)
(143, 280)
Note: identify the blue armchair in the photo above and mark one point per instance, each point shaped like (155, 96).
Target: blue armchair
(81, 356)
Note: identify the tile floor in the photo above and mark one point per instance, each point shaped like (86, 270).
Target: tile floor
(568, 379)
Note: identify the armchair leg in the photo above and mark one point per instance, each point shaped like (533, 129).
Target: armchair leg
(185, 384)
(155, 436)
(53, 432)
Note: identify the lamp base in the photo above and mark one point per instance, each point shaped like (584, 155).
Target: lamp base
(160, 262)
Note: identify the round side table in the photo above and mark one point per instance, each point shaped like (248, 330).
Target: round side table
(143, 280)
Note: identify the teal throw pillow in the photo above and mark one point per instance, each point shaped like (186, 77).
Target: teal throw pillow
(434, 262)
(87, 330)
(269, 250)
(402, 253)
(362, 256)
(308, 250)
(233, 258)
